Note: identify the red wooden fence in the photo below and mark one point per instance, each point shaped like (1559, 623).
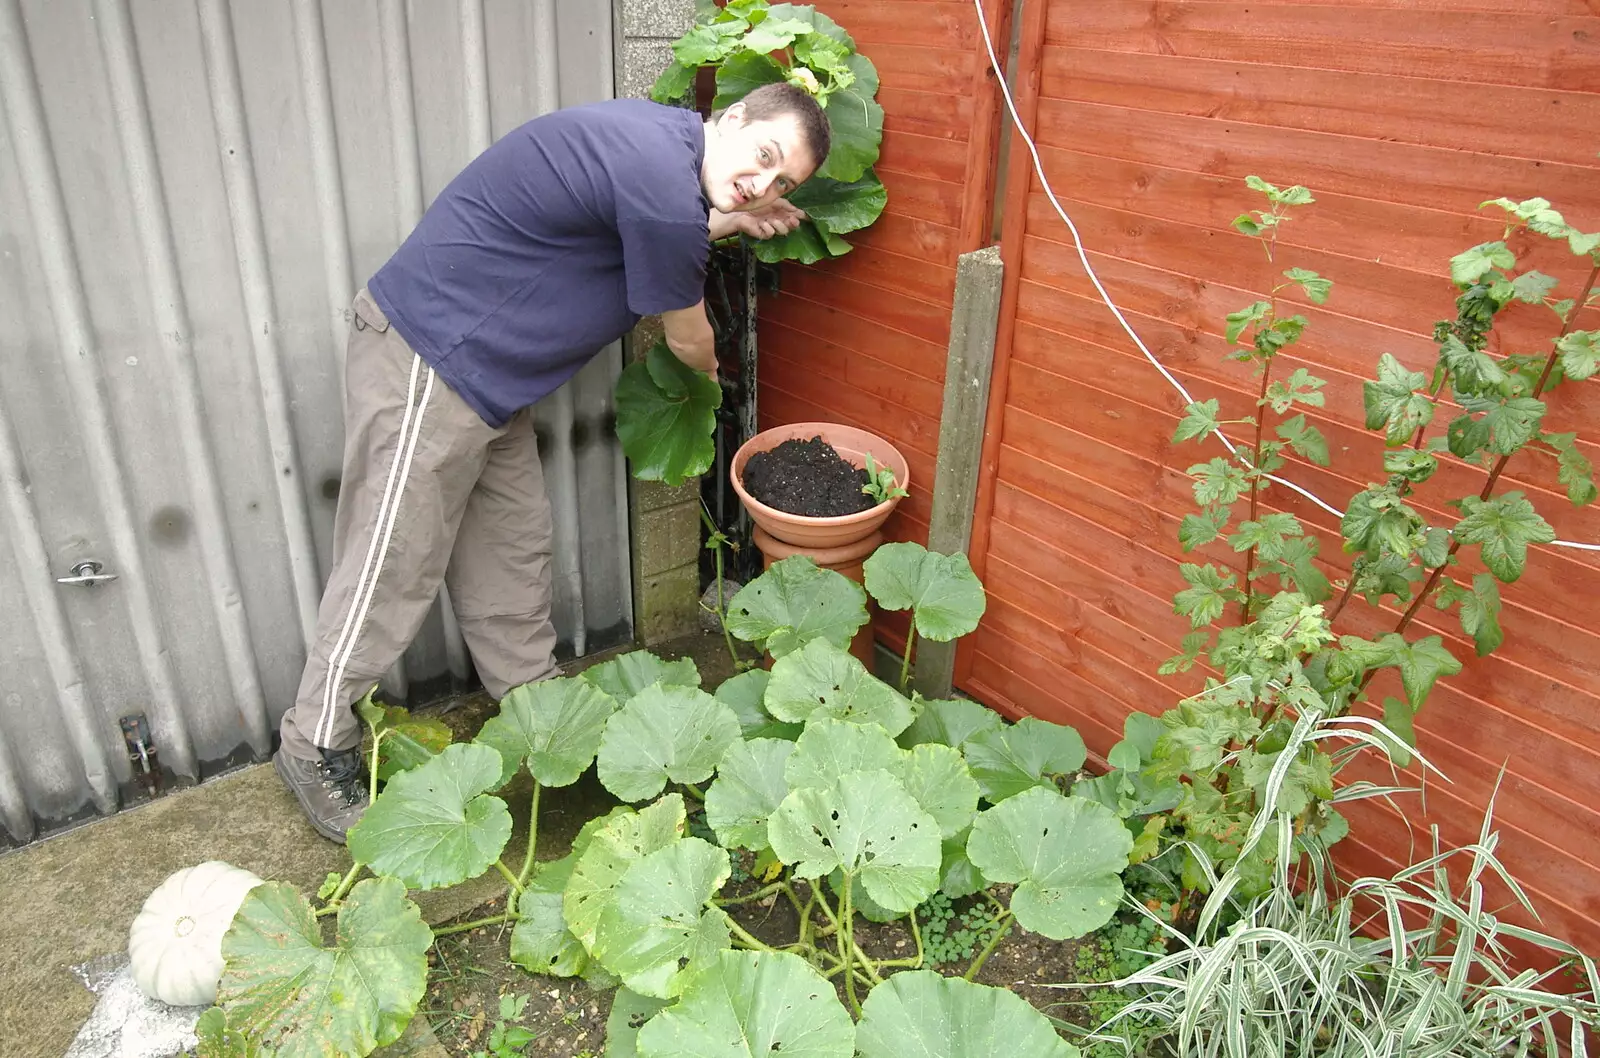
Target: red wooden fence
(1401, 117)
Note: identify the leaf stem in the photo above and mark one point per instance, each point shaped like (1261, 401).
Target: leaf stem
(1004, 923)
(533, 836)
(492, 920)
(717, 540)
(905, 662)
(759, 894)
(694, 791)
(916, 931)
(505, 872)
(749, 939)
(847, 942)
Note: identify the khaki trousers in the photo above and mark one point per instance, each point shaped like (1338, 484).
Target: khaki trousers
(430, 493)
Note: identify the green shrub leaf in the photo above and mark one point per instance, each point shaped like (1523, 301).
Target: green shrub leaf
(284, 990)
(666, 413)
(1392, 403)
(937, 779)
(664, 733)
(752, 1005)
(944, 596)
(1503, 526)
(436, 825)
(1064, 854)
(1469, 266)
(794, 602)
(1421, 664)
(407, 740)
(626, 676)
(1305, 439)
(821, 680)
(928, 1015)
(540, 941)
(554, 725)
(658, 927)
(950, 722)
(612, 848)
(1580, 354)
(744, 694)
(1575, 470)
(1208, 594)
(868, 825)
(828, 749)
(749, 787)
(1026, 754)
(1480, 610)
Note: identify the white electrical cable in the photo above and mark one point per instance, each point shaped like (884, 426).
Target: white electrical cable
(1077, 241)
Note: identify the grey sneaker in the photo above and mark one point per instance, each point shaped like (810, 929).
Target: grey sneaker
(332, 791)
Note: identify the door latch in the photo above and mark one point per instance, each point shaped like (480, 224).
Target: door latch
(142, 753)
(87, 573)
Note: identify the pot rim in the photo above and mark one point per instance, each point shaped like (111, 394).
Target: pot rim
(764, 441)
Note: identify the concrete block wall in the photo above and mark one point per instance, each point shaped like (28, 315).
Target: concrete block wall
(665, 522)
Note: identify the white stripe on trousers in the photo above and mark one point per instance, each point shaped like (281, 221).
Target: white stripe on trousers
(378, 546)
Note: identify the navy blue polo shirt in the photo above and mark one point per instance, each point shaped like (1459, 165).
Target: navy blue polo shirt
(548, 247)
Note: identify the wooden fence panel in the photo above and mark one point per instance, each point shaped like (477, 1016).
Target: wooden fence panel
(1401, 118)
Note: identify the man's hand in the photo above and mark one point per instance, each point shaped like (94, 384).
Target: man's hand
(780, 218)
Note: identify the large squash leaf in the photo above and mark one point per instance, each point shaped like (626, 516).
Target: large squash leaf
(867, 825)
(950, 722)
(856, 122)
(743, 694)
(937, 779)
(630, 1012)
(752, 1005)
(554, 725)
(749, 788)
(658, 928)
(666, 414)
(284, 990)
(829, 749)
(1008, 760)
(405, 740)
(614, 847)
(626, 676)
(928, 1015)
(665, 732)
(944, 596)
(821, 680)
(436, 825)
(1065, 855)
(540, 941)
(794, 602)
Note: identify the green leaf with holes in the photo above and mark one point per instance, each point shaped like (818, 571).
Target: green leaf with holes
(794, 602)
(1393, 403)
(617, 845)
(1064, 854)
(407, 740)
(436, 825)
(821, 680)
(658, 928)
(829, 749)
(928, 1015)
(950, 722)
(666, 413)
(749, 787)
(554, 725)
(944, 596)
(867, 825)
(938, 779)
(284, 990)
(540, 940)
(664, 733)
(1026, 754)
(752, 1005)
(626, 676)
(1580, 354)
(744, 694)
(630, 1013)
(1503, 526)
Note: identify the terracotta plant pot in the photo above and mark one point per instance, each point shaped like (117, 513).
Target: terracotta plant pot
(821, 533)
(842, 543)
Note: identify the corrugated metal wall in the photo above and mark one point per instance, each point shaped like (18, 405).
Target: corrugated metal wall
(1401, 121)
(191, 192)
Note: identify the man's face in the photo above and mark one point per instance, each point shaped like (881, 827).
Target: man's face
(749, 165)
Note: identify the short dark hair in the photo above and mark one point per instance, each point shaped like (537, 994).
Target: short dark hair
(783, 99)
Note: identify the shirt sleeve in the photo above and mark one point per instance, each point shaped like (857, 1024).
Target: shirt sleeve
(664, 260)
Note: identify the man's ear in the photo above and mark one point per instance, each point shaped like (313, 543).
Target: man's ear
(736, 114)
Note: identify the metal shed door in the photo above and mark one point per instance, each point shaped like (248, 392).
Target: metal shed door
(191, 192)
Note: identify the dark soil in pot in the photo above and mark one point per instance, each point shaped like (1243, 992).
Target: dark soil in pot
(807, 478)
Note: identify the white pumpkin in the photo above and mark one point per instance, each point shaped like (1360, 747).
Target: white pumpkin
(175, 945)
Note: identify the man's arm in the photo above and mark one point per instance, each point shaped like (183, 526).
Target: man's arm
(691, 339)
